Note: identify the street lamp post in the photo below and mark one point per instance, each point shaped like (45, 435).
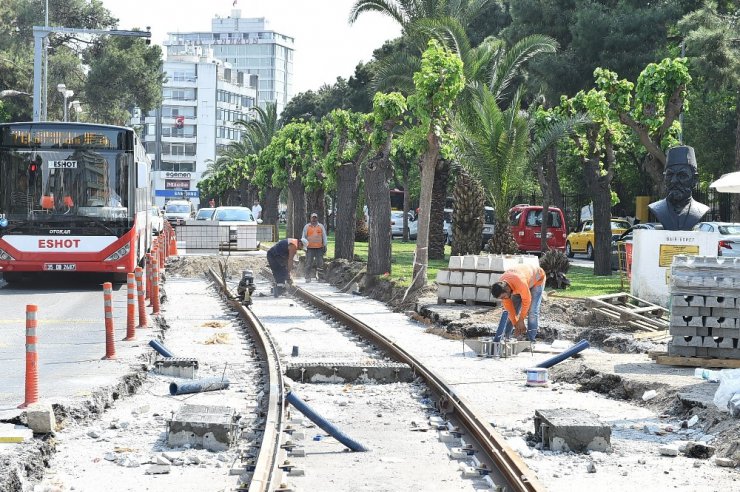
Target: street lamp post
(67, 93)
(77, 108)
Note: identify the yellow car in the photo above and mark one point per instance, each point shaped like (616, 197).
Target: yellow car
(583, 240)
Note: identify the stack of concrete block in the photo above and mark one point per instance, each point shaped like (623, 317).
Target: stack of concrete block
(469, 278)
(705, 307)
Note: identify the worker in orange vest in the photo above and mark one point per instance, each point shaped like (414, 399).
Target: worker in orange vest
(520, 289)
(280, 258)
(315, 234)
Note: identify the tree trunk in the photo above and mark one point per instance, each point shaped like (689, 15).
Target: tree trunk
(315, 203)
(344, 246)
(377, 178)
(551, 175)
(598, 183)
(270, 206)
(298, 194)
(437, 212)
(467, 216)
(654, 168)
(421, 257)
(289, 215)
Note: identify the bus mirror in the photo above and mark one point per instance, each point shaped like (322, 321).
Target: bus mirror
(47, 202)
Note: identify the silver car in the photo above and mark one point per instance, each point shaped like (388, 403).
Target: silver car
(729, 236)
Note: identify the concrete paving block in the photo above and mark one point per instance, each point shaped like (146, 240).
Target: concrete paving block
(687, 300)
(691, 311)
(679, 341)
(497, 263)
(683, 331)
(41, 418)
(483, 294)
(456, 278)
(455, 262)
(574, 430)
(207, 426)
(443, 291)
(679, 320)
(469, 292)
(469, 278)
(495, 277)
(724, 312)
(709, 342)
(443, 277)
(468, 262)
(483, 263)
(677, 351)
(726, 332)
(483, 280)
(456, 293)
(719, 301)
(719, 322)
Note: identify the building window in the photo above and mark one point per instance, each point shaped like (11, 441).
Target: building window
(178, 166)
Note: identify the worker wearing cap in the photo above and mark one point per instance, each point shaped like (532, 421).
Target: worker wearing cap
(520, 289)
(280, 258)
(315, 235)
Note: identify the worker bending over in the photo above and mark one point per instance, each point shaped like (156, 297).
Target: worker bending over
(520, 289)
(280, 258)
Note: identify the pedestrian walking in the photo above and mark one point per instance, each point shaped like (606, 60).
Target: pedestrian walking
(257, 210)
(520, 289)
(314, 234)
(280, 259)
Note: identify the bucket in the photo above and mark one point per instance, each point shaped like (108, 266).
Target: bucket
(537, 376)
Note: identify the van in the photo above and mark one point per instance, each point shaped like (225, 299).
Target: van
(178, 211)
(526, 222)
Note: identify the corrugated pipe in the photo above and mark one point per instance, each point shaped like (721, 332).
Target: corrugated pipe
(198, 386)
(163, 351)
(317, 419)
(582, 345)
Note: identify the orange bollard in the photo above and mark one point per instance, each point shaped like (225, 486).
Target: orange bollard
(139, 274)
(32, 357)
(130, 307)
(149, 277)
(160, 250)
(155, 289)
(110, 343)
(172, 245)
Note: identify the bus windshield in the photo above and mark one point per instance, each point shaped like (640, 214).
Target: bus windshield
(64, 186)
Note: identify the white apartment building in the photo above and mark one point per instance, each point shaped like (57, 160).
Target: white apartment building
(202, 99)
(249, 45)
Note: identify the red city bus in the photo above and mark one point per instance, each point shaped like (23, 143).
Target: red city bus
(73, 197)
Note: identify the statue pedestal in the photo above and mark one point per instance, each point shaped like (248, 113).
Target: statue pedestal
(652, 255)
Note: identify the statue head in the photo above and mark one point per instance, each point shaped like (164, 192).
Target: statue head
(680, 174)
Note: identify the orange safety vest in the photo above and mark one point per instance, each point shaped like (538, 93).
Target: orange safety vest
(315, 236)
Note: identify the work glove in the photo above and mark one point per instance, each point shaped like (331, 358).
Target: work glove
(323, 250)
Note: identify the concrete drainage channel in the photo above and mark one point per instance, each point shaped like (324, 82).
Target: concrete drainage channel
(396, 407)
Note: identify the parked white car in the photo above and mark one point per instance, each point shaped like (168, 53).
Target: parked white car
(397, 224)
(178, 211)
(205, 214)
(233, 217)
(729, 236)
(155, 217)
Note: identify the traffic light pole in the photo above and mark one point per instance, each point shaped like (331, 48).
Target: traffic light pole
(40, 33)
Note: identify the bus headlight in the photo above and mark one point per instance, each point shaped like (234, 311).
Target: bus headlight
(120, 253)
(5, 256)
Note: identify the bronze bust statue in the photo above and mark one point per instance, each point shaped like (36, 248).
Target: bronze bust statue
(678, 211)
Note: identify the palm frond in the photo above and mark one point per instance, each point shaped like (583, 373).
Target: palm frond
(507, 64)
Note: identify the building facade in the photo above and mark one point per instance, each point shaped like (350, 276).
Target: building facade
(250, 46)
(203, 97)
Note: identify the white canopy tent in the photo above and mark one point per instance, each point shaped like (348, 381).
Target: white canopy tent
(727, 183)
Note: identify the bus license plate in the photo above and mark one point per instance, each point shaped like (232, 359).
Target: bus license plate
(60, 267)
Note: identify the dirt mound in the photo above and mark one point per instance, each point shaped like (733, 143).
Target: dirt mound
(195, 266)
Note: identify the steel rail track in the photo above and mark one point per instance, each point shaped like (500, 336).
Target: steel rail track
(503, 456)
(266, 475)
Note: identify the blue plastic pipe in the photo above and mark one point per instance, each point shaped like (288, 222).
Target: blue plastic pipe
(163, 351)
(327, 426)
(198, 386)
(582, 345)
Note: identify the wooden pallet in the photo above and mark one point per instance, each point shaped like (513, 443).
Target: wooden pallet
(664, 359)
(632, 310)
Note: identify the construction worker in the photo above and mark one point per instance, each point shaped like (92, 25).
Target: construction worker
(520, 289)
(315, 235)
(280, 258)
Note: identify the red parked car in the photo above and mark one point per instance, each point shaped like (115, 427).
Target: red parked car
(526, 222)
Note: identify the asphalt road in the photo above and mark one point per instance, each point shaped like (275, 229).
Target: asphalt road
(71, 337)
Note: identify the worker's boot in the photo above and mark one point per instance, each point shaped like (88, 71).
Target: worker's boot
(278, 290)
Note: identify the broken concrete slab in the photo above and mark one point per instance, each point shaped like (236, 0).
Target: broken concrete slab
(41, 418)
(209, 427)
(565, 429)
(177, 367)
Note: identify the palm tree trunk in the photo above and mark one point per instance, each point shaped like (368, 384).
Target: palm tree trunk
(467, 216)
(437, 212)
(347, 181)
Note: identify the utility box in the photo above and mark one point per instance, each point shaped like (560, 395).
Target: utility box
(203, 426)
